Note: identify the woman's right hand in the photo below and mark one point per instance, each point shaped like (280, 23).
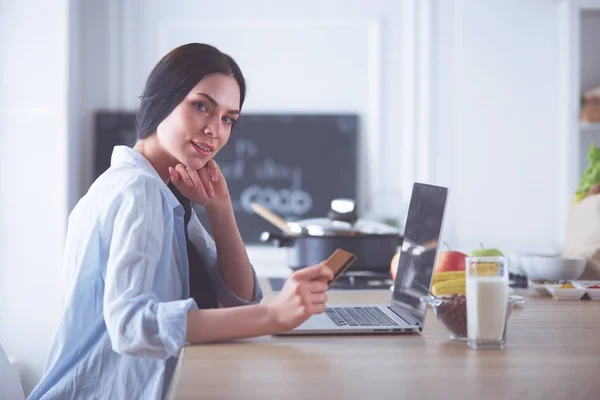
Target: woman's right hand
(302, 296)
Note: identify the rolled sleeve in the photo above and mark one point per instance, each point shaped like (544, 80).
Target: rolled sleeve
(138, 323)
(207, 249)
(227, 298)
(172, 324)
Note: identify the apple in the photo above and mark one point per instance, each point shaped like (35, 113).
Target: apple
(483, 252)
(394, 265)
(450, 261)
(486, 269)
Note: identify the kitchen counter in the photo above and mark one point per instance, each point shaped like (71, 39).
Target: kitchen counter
(552, 352)
(269, 261)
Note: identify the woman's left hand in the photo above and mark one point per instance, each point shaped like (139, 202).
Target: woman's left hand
(206, 186)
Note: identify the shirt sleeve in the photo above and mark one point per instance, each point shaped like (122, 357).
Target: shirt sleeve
(137, 322)
(205, 245)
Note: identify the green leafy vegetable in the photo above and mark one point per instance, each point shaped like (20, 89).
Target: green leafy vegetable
(591, 176)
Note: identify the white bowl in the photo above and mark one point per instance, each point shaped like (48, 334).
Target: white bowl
(594, 293)
(566, 294)
(552, 268)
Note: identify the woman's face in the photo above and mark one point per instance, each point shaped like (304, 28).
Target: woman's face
(201, 123)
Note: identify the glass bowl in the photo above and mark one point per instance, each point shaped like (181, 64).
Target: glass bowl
(451, 310)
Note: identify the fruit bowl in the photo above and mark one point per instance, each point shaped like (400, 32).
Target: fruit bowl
(451, 311)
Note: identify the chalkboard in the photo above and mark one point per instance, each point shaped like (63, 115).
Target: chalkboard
(112, 128)
(294, 164)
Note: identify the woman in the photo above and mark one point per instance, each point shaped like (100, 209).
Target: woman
(135, 250)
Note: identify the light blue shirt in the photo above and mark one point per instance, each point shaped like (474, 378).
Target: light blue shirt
(127, 288)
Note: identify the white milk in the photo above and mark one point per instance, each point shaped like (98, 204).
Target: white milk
(487, 297)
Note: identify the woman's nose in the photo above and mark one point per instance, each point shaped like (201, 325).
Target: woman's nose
(212, 129)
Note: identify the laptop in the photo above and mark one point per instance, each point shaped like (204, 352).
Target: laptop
(405, 313)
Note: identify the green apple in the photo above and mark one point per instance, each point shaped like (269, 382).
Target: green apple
(483, 252)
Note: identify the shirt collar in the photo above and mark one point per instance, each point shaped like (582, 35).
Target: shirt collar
(128, 155)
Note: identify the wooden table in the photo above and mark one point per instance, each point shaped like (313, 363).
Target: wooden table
(552, 352)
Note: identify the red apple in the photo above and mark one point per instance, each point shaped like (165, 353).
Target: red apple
(450, 261)
(446, 261)
(394, 265)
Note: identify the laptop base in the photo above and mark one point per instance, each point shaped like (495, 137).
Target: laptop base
(324, 324)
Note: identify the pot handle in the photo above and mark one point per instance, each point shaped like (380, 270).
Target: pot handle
(343, 210)
(277, 239)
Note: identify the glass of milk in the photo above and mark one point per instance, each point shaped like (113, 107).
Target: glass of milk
(487, 302)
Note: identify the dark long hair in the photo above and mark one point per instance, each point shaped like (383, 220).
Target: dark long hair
(167, 85)
(173, 78)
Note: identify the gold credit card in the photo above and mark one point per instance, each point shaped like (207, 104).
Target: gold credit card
(338, 262)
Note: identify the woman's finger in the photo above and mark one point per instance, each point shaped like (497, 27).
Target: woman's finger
(319, 298)
(175, 177)
(199, 185)
(185, 176)
(195, 176)
(205, 176)
(317, 286)
(214, 170)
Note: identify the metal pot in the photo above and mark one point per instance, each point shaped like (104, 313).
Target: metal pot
(312, 241)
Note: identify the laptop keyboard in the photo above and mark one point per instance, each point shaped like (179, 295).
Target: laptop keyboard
(359, 316)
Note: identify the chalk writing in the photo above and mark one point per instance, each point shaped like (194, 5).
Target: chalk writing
(281, 201)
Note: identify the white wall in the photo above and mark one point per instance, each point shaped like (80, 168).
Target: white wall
(497, 129)
(33, 177)
(313, 56)
(473, 108)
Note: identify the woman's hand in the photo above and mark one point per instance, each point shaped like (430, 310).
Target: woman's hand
(302, 296)
(206, 186)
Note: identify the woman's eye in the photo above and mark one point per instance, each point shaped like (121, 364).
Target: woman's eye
(229, 120)
(200, 106)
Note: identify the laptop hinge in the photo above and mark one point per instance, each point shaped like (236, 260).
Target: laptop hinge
(404, 315)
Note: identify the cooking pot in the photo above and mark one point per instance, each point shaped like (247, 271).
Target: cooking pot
(312, 241)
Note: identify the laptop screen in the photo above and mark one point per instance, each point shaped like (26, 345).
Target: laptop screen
(419, 248)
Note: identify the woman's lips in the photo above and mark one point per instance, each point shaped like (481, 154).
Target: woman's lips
(203, 149)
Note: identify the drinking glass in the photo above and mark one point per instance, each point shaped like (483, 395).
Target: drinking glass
(487, 302)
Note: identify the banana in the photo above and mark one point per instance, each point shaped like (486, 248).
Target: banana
(457, 286)
(447, 276)
(450, 282)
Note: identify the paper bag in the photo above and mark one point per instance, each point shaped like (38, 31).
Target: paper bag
(583, 234)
